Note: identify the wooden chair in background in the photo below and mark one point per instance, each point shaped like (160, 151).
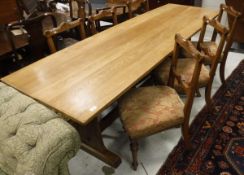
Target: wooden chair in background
(186, 65)
(148, 110)
(57, 42)
(102, 15)
(210, 47)
(137, 7)
(34, 28)
(83, 7)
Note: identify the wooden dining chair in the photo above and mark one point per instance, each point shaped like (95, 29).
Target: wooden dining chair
(80, 9)
(102, 15)
(137, 7)
(186, 68)
(148, 110)
(210, 47)
(57, 39)
(34, 27)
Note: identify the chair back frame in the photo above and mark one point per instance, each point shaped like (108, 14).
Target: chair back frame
(223, 32)
(81, 8)
(235, 18)
(190, 88)
(65, 26)
(134, 5)
(102, 14)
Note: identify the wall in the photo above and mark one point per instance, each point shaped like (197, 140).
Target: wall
(214, 4)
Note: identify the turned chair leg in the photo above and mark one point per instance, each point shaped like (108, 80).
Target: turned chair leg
(134, 150)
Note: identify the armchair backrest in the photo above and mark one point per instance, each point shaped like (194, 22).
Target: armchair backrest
(63, 27)
(136, 5)
(95, 19)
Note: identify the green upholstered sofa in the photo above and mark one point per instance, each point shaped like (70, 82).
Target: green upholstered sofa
(34, 140)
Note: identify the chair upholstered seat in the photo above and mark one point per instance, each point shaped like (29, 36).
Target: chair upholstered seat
(185, 67)
(148, 110)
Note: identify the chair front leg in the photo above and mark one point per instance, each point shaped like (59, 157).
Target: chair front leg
(134, 150)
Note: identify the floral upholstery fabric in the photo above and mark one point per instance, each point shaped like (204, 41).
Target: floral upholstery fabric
(33, 139)
(185, 68)
(149, 110)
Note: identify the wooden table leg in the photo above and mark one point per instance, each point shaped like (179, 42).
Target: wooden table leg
(92, 143)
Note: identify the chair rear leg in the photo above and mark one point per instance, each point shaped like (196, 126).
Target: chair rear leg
(222, 71)
(198, 93)
(208, 95)
(186, 136)
(134, 150)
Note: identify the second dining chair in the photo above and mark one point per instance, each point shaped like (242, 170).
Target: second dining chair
(136, 7)
(103, 14)
(210, 47)
(185, 65)
(57, 41)
(148, 110)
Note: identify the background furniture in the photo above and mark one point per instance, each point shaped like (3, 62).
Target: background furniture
(102, 15)
(57, 42)
(86, 78)
(9, 11)
(136, 7)
(35, 27)
(33, 138)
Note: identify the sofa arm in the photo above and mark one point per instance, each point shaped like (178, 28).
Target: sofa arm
(57, 143)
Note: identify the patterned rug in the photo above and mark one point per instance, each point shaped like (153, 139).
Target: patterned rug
(217, 135)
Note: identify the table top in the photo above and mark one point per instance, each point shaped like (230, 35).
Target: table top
(84, 79)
